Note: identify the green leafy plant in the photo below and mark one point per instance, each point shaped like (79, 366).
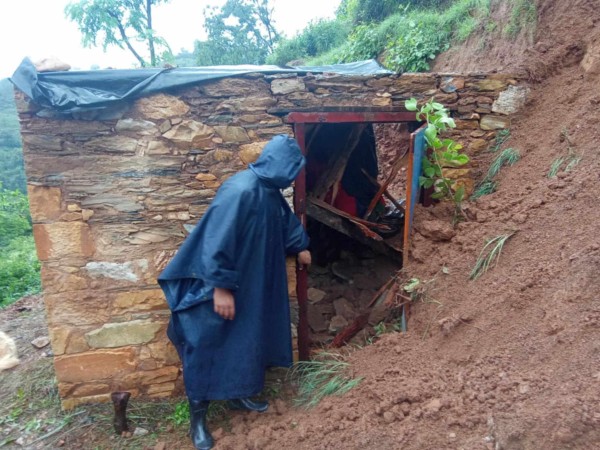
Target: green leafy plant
(411, 50)
(323, 376)
(181, 413)
(19, 266)
(489, 255)
(364, 43)
(444, 153)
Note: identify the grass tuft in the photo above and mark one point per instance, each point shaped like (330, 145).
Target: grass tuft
(507, 157)
(569, 163)
(322, 377)
(501, 137)
(490, 254)
(486, 187)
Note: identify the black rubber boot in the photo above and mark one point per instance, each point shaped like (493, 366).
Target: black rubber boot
(200, 435)
(248, 405)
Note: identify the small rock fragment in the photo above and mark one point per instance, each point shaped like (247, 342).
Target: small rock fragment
(40, 342)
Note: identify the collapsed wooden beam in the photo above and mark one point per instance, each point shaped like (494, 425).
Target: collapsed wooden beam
(393, 172)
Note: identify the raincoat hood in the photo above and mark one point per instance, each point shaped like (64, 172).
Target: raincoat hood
(280, 162)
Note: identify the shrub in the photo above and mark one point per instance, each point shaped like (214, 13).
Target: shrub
(412, 50)
(317, 38)
(19, 267)
(365, 42)
(19, 270)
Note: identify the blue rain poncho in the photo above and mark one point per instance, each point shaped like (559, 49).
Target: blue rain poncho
(239, 244)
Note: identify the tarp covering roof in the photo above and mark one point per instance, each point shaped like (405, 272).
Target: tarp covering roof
(97, 89)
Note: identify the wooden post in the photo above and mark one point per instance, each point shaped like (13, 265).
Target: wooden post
(301, 272)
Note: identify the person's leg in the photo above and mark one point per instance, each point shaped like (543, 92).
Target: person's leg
(201, 437)
(185, 338)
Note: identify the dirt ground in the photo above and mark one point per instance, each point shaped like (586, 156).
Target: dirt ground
(510, 361)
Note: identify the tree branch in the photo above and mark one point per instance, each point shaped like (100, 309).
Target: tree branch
(126, 39)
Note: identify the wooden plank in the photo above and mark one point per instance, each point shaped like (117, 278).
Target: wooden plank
(345, 227)
(301, 271)
(320, 115)
(387, 194)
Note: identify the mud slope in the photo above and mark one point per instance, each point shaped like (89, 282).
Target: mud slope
(511, 360)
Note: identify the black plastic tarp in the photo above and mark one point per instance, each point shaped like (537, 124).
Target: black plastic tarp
(96, 89)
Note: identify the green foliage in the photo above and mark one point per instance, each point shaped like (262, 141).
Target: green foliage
(180, 416)
(365, 42)
(367, 11)
(120, 23)
(490, 254)
(317, 38)
(411, 37)
(523, 16)
(15, 221)
(19, 267)
(19, 270)
(323, 376)
(412, 50)
(239, 32)
(444, 152)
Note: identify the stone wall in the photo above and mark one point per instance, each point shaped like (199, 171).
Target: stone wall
(113, 194)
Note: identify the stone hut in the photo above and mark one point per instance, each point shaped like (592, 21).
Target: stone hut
(114, 191)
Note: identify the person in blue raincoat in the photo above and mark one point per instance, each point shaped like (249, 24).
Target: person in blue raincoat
(227, 287)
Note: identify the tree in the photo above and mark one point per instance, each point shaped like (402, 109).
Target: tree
(120, 23)
(239, 32)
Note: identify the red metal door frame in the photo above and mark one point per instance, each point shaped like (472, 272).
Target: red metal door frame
(299, 121)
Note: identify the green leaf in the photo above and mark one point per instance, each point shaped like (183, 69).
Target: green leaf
(459, 195)
(449, 121)
(437, 106)
(430, 134)
(411, 104)
(429, 172)
(461, 159)
(425, 182)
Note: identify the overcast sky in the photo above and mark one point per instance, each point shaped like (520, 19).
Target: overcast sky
(39, 29)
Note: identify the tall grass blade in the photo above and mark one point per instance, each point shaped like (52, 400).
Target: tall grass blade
(489, 255)
(320, 378)
(507, 157)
